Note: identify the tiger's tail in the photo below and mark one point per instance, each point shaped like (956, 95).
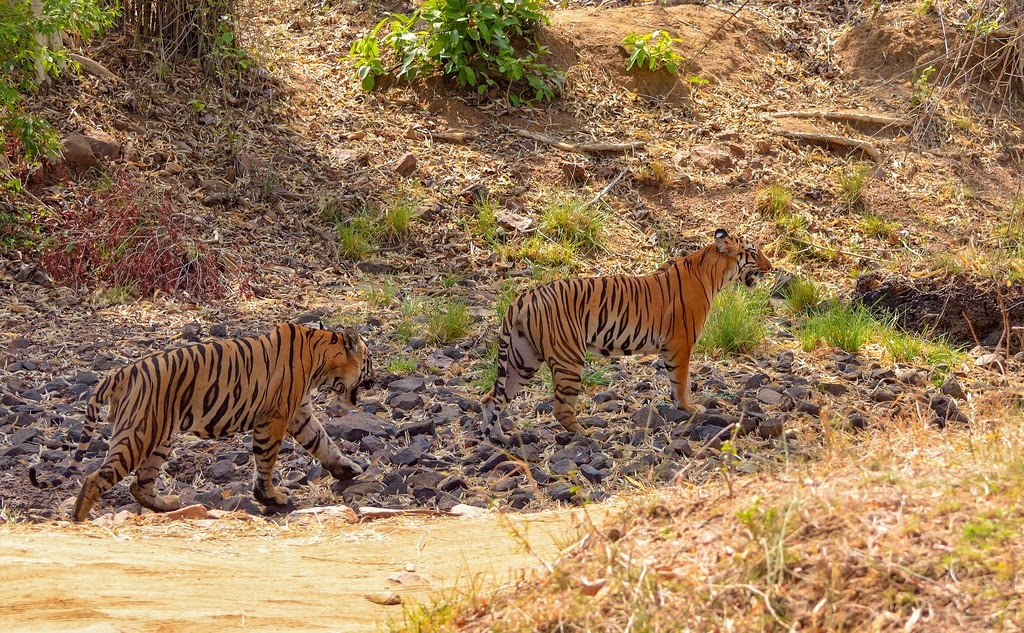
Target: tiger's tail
(92, 413)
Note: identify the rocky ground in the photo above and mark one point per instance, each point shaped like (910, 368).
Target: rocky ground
(257, 169)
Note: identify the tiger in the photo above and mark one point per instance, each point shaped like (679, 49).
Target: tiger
(664, 312)
(260, 384)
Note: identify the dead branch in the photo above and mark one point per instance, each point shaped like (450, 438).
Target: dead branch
(580, 147)
(829, 139)
(453, 137)
(844, 116)
(93, 68)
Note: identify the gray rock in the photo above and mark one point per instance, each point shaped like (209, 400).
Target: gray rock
(25, 436)
(883, 394)
(755, 381)
(424, 427)
(707, 432)
(648, 417)
(222, 471)
(412, 453)
(191, 332)
(561, 492)
(770, 428)
(417, 343)
(951, 387)
(911, 377)
(410, 383)
(563, 466)
(834, 389)
(681, 447)
(770, 397)
(593, 474)
(357, 424)
(220, 330)
(20, 449)
(808, 407)
(406, 401)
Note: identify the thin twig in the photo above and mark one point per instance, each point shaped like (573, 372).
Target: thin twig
(581, 147)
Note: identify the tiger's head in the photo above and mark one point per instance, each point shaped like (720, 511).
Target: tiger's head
(750, 263)
(348, 368)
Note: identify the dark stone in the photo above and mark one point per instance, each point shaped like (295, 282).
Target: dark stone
(545, 407)
(424, 427)
(492, 462)
(191, 332)
(25, 436)
(422, 494)
(561, 492)
(410, 383)
(912, 377)
(882, 394)
(599, 460)
(371, 444)
(675, 414)
(945, 408)
(417, 343)
(770, 428)
(469, 406)
(52, 455)
(242, 503)
(755, 381)
(521, 499)
(405, 401)
(32, 395)
(593, 422)
(808, 407)
(222, 471)
(452, 482)
(834, 389)
(648, 417)
(504, 484)
(681, 446)
(412, 453)
(20, 449)
(593, 474)
(951, 387)
(356, 425)
(563, 466)
(604, 396)
(220, 330)
(705, 433)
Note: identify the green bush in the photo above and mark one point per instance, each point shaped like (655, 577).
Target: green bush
(21, 54)
(653, 50)
(737, 323)
(484, 45)
(801, 295)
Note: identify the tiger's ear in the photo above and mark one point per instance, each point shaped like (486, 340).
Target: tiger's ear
(721, 235)
(352, 340)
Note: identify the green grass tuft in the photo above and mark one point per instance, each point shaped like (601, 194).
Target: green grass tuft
(573, 224)
(852, 181)
(774, 201)
(737, 323)
(802, 295)
(449, 321)
(844, 326)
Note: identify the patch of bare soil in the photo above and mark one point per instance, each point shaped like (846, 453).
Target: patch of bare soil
(892, 49)
(228, 575)
(968, 309)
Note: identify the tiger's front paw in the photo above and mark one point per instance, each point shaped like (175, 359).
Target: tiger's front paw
(345, 469)
(269, 496)
(691, 407)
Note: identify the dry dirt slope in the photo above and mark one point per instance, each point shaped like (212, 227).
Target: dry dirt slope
(235, 575)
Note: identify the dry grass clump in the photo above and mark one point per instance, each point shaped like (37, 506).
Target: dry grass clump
(905, 528)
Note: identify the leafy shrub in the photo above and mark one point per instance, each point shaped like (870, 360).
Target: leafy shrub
(653, 50)
(21, 54)
(124, 238)
(544, 252)
(737, 322)
(484, 45)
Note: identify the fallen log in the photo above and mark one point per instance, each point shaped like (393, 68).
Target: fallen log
(580, 148)
(829, 139)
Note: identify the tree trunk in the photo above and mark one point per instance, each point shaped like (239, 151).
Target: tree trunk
(52, 42)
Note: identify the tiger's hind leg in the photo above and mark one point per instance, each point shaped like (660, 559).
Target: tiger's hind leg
(566, 375)
(517, 364)
(142, 488)
(121, 459)
(308, 432)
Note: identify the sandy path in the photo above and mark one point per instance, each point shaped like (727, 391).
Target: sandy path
(214, 577)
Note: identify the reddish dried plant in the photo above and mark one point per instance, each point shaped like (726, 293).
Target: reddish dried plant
(125, 237)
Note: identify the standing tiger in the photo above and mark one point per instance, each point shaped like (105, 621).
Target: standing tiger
(260, 384)
(664, 312)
